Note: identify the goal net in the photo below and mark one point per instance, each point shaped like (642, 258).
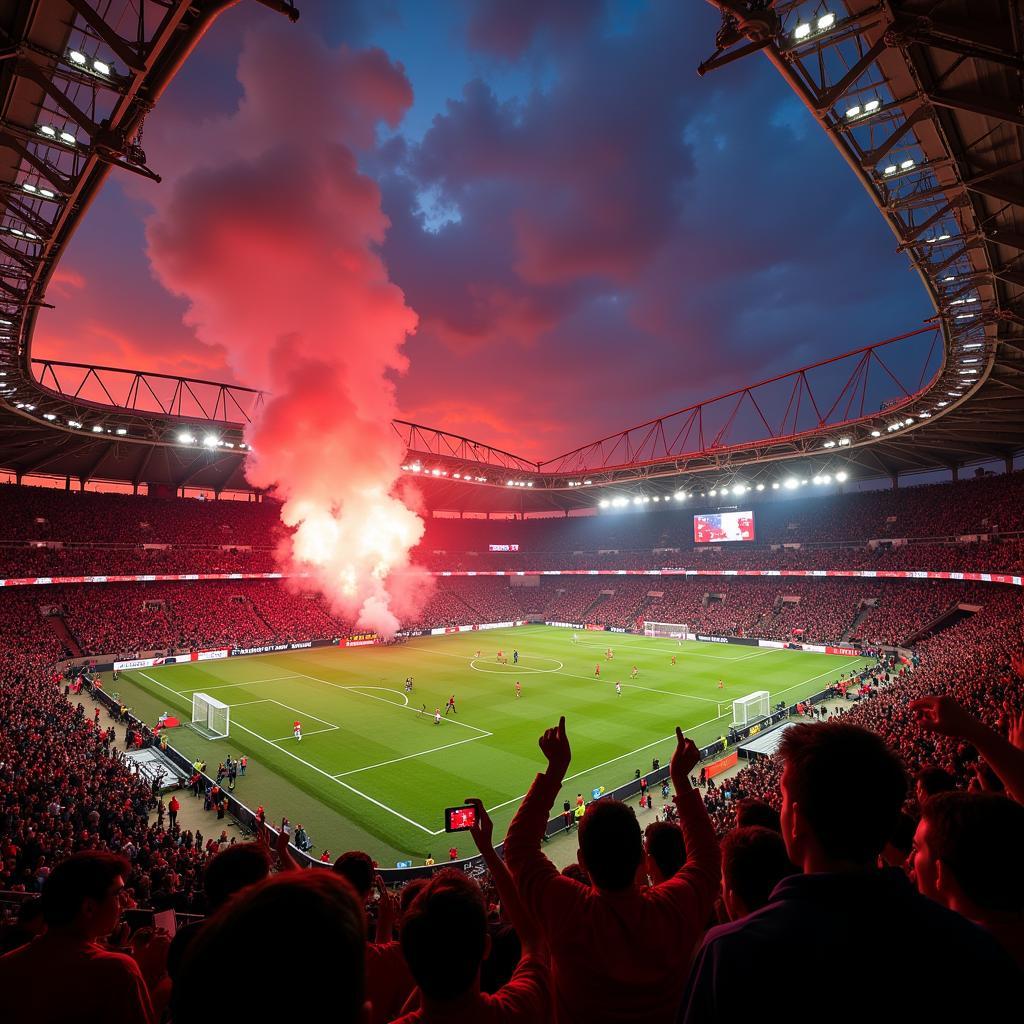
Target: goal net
(750, 709)
(671, 630)
(210, 718)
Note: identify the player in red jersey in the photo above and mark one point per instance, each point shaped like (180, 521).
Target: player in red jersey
(450, 706)
(519, 689)
(597, 669)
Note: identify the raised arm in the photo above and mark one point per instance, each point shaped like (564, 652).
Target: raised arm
(532, 871)
(944, 716)
(519, 917)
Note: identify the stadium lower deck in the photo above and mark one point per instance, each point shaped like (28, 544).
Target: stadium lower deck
(374, 771)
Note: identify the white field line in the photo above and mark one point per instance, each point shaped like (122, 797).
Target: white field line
(612, 760)
(573, 675)
(419, 753)
(228, 686)
(311, 732)
(804, 682)
(276, 744)
(357, 689)
(351, 789)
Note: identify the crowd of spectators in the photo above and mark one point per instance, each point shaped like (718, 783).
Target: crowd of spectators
(791, 860)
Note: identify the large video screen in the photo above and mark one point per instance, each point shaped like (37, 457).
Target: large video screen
(723, 526)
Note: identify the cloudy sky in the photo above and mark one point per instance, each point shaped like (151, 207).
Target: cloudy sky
(588, 232)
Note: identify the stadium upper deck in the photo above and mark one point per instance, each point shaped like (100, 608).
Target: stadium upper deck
(924, 110)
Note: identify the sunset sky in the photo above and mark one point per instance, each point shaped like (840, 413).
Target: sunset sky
(589, 233)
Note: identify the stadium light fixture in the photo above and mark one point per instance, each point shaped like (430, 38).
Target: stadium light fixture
(829, 444)
(890, 170)
(844, 441)
(802, 31)
(713, 494)
(805, 482)
(760, 487)
(67, 138)
(907, 165)
(876, 433)
(924, 415)
(604, 503)
(739, 489)
(941, 405)
(680, 496)
(965, 361)
(792, 484)
(211, 441)
(97, 429)
(75, 424)
(908, 421)
(242, 444)
(964, 316)
(48, 130)
(101, 67)
(816, 480)
(775, 485)
(185, 438)
(826, 479)
(120, 431)
(657, 498)
(638, 500)
(77, 58)
(49, 416)
(826, 21)
(841, 476)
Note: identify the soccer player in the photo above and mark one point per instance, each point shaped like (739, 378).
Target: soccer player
(408, 684)
(721, 685)
(499, 657)
(673, 659)
(519, 689)
(437, 716)
(297, 731)
(597, 670)
(634, 673)
(450, 706)
(608, 654)
(575, 638)
(618, 689)
(515, 657)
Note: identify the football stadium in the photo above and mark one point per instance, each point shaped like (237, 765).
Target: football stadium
(511, 511)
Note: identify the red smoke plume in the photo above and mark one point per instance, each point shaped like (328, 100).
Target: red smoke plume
(272, 234)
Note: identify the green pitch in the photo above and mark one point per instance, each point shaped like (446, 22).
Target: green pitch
(374, 772)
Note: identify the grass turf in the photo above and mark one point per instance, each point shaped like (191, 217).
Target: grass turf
(373, 773)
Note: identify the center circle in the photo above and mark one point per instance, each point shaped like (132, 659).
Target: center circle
(519, 669)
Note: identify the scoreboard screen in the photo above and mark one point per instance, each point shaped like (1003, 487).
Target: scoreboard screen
(715, 527)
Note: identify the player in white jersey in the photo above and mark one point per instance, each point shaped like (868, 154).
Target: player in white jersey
(297, 731)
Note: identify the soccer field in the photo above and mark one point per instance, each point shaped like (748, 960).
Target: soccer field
(373, 772)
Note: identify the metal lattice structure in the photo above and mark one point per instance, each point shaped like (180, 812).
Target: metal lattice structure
(76, 83)
(921, 98)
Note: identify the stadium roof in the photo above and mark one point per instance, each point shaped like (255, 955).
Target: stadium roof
(922, 100)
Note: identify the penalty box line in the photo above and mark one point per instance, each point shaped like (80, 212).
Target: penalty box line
(320, 771)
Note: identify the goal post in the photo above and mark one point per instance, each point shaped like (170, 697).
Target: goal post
(750, 709)
(210, 717)
(666, 630)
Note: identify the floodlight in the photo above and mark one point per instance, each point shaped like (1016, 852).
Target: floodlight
(802, 31)
(101, 67)
(76, 58)
(68, 138)
(97, 429)
(816, 480)
(876, 433)
(792, 484)
(75, 424)
(604, 503)
(211, 441)
(680, 495)
(871, 106)
(739, 489)
(826, 21)
(844, 441)
(841, 476)
(826, 479)
(185, 437)
(121, 431)
(906, 165)
(829, 444)
(760, 487)
(45, 129)
(775, 486)
(891, 169)
(713, 494)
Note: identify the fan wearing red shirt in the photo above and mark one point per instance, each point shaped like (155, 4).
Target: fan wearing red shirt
(66, 974)
(619, 952)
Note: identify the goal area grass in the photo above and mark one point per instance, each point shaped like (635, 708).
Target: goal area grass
(374, 772)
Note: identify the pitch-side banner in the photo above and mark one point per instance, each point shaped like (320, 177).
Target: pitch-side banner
(880, 574)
